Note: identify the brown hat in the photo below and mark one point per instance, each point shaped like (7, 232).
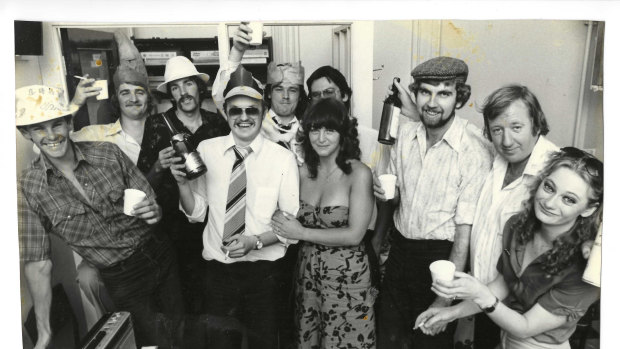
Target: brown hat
(125, 74)
(441, 68)
(242, 83)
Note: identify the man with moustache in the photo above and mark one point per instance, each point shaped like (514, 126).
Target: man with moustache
(75, 191)
(187, 89)
(440, 163)
(249, 178)
(284, 93)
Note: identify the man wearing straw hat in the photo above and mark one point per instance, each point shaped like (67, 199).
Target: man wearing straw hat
(75, 191)
(187, 89)
(240, 248)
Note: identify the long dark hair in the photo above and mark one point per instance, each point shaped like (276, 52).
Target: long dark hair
(333, 115)
(567, 246)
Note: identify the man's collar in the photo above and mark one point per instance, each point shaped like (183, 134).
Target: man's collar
(452, 136)
(48, 167)
(276, 118)
(256, 144)
(114, 128)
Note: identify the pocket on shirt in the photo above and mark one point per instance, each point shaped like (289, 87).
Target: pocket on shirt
(115, 196)
(265, 203)
(70, 219)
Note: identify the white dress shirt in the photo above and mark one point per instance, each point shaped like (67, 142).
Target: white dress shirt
(112, 133)
(497, 204)
(272, 183)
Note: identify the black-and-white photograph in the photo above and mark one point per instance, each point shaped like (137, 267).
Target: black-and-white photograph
(282, 183)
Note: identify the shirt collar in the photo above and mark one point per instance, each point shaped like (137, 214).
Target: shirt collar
(536, 161)
(256, 145)
(114, 128)
(276, 117)
(48, 167)
(452, 136)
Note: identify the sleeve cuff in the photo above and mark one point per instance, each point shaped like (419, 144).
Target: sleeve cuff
(199, 212)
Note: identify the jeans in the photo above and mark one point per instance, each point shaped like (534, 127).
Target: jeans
(406, 292)
(147, 285)
(248, 292)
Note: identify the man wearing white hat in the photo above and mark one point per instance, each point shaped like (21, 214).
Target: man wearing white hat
(187, 89)
(75, 191)
(240, 248)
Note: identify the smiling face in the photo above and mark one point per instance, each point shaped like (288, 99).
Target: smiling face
(245, 116)
(511, 133)
(436, 104)
(284, 98)
(51, 137)
(324, 141)
(561, 198)
(133, 101)
(185, 93)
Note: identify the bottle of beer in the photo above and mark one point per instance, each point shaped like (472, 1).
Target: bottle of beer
(388, 129)
(194, 167)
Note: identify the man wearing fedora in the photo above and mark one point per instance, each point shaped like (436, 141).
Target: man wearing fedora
(249, 177)
(187, 89)
(75, 190)
(440, 162)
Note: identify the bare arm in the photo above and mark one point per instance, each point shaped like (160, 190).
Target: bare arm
(360, 204)
(38, 276)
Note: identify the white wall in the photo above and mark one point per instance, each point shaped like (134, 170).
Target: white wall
(315, 47)
(546, 56)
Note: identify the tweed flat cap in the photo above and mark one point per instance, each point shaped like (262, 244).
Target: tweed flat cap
(441, 68)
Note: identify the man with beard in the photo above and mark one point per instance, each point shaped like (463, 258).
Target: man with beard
(249, 178)
(440, 163)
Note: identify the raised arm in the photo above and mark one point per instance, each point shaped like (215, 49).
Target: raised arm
(39, 276)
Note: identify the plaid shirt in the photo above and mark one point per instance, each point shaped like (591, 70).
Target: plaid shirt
(96, 229)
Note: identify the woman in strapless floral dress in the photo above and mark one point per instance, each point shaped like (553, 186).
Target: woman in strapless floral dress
(334, 305)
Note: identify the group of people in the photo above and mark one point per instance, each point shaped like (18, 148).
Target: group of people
(270, 248)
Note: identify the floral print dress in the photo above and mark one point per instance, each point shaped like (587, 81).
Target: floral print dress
(334, 305)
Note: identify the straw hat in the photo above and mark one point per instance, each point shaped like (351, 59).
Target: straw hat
(37, 103)
(177, 68)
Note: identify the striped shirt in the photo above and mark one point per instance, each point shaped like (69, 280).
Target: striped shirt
(97, 229)
(439, 187)
(497, 205)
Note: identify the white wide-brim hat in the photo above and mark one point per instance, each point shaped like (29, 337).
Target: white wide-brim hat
(177, 68)
(38, 103)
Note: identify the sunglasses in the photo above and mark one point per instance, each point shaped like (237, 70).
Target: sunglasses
(251, 112)
(593, 166)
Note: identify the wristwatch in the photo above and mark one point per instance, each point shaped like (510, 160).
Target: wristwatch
(259, 243)
(490, 309)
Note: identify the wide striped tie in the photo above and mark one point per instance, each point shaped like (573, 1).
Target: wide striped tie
(234, 219)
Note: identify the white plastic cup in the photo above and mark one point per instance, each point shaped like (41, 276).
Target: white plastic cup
(257, 33)
(132, 197)
(442, 270)
(103, 94)
(388, 184)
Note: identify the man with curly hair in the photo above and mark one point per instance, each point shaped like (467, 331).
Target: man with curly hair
(440, 162)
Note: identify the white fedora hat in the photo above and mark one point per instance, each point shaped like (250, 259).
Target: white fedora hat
(177, 68)
(38, 103)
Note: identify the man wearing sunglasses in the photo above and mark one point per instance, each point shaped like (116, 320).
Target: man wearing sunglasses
(284, 93)
(248, 178)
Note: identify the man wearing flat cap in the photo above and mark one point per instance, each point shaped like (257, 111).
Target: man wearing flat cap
(249, 177)
(440, 162)
(75, 190)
